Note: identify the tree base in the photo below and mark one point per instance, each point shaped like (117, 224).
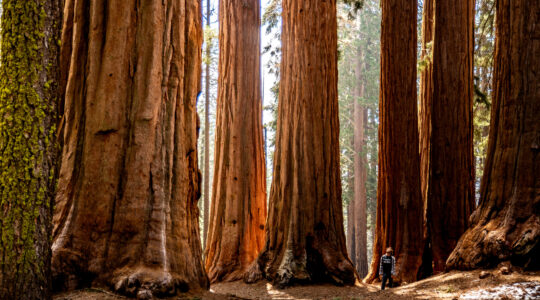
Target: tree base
(496, 242)
(69, 273)
(311, 267)
(160, 283)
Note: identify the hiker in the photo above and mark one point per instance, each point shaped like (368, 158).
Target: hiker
(387, 267)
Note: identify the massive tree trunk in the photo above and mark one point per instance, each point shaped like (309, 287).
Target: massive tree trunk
(206, 174)
(28, 147)
(127, 214)
(360, 172)
(506, 225)
(399, 201)
(305, 240)
(236, 232)
(450, 187)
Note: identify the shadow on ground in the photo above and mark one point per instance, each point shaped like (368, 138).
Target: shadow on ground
(450, 285)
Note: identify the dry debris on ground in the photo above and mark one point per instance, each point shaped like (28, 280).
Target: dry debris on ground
(452, 285)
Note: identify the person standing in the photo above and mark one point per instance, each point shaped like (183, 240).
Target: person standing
(387, 267)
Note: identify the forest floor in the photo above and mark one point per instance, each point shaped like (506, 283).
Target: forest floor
(452, 285)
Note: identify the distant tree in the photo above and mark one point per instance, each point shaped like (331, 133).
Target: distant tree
(126, 209)
(238, 213)
(305, 240)
(399, 201)
(505, 225)
(28, 146)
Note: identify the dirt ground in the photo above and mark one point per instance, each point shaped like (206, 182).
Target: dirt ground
(452, 285)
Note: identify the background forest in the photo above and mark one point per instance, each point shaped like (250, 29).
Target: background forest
(359, 71)
(262, 149)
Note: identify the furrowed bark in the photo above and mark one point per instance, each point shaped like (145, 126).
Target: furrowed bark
(236, 230)
(399, 201)
(127, 214)
(450, 188)
(305, 240)
(28, 145)
(506, 225)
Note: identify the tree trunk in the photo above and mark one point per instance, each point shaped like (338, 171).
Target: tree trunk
(450, 187)
(426, 94)
(360, 172)
(126, 213)
(206, 176)
(305, 240)
(28, 148)
(399, 201)
(506, 225)
(351, 228)
(236, 233)
(425, 122)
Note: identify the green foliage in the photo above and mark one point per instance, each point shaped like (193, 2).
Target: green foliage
(425, 61)
(26, 134)
(360, 34)
(483, 73)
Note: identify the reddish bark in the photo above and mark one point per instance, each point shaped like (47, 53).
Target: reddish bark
(506, 225)
(126, 209)
(305, 240)
(236, 230)
(426, 94)
(399, 201)
(448, 126)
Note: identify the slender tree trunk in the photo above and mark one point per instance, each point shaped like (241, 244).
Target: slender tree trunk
(425, 122)
(206, 178)
(28, 147)
(450, 187)
(351, 227)
(127, 214)
(426, 94)
(236, 233)
(305, 240)
(505, 227)
(360, 171)
(399, 201)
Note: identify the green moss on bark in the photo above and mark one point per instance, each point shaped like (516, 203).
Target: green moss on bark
(27, 127)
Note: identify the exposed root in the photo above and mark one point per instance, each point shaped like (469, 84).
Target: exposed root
(480, 247)
(254, 273)
(146, 283)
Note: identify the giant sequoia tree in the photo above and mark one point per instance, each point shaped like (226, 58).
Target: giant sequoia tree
(28, 148)
(506, 225)
(305, 240)
(399, 201)
(447, 125)
(126, 212)
(236, 232)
